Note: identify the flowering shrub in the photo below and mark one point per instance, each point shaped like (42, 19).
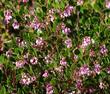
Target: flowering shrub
(54, 46)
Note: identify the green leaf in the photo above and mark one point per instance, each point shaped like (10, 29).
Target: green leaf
(3, 90)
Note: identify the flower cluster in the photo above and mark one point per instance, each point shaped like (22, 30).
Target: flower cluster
(86, 41)
(59, 69)
(20, 63)
(45, 74)
(92, 53)
(80, 2)
(26, 79)
(8, 16)
(97, 68)
(63, 62)
(25, 1)
(51, 14)
(67, 12)
(68, 43)
(49, 89)
(84, 70)
(103, 50)
(55, 40)
(20, 42)
(34, 60)
(40, 43)
(108, 70)
(48, 59)
(15, 25)
(9, 53)
(65, 29)
(35, 24)
(79, 84)
(107, 4)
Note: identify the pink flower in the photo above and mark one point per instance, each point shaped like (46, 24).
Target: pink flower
(103, 50)
(15, 25)
(92, 53)
(52, 11)
(45, 74)
(51, 14)
(33, 78)
(49, 89)
(97, 68)
(107, 4)
(65, 29)
(59, 69)
(26, 79)
(68, 43)
(75, 57)
(80, 2)
(91, 90)
(63, 26)
(101, 85)
(48, 59)
(67, 12)
(20, 63)
(84, 70)
(9, 53)
(8, 16)
(36, 24)
(20, 42)
(108, 70)
(86, 42)
(40, 43)
(51, 17)
(79, 84)
(34, 60)
(25, 1)
(26, 55)
(63, 62)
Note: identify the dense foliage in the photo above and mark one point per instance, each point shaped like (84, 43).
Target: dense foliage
(54, 46)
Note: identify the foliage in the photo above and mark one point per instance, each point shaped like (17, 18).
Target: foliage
(54, 47)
